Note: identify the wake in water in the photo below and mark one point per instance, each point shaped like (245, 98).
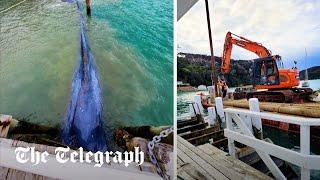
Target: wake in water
(83, 125)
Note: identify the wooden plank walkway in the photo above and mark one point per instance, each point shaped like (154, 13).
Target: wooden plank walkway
(199, 132)
(200, 125)
(209, 162)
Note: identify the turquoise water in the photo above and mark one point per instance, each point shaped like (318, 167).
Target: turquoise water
(132, 42)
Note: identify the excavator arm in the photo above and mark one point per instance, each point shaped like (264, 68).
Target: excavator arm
(247, 44)
(275, 85)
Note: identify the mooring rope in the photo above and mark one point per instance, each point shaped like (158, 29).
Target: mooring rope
(12, 6)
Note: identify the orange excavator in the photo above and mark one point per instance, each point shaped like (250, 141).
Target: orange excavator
(270, 83)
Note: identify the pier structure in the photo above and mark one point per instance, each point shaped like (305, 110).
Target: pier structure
(11, 169)
(244, 135)
(239, 130)
(197, 154)
(208, 162)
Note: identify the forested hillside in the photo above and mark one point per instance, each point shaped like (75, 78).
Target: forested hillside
(196, 70)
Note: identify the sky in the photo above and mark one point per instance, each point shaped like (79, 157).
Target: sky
(286, 27)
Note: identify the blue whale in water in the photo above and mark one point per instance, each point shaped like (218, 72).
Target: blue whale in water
(83, 125)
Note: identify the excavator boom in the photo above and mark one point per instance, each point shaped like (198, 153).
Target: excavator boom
(247, 44)
(278, 85)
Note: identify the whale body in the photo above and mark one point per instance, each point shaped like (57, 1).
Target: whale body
(82, 126)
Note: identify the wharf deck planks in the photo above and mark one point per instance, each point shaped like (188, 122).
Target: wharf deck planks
(192, 127)
(209, 162)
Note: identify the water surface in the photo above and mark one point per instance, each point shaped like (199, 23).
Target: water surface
(132, 42)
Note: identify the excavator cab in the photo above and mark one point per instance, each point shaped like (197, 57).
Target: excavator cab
(265, 71)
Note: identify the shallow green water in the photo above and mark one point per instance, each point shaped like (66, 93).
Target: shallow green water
(130, 40)
(38, 56)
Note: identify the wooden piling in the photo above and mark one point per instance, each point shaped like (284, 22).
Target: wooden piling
(88, 5)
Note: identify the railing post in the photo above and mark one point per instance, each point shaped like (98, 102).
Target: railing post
(231, 146)
(212, 116)
(198, 101)
(305, 148)
(219, 106)
(256, 122)
(192, 111)
(211, 94)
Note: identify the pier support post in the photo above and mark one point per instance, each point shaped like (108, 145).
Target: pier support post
(256, 122)
(305, 148)
(88, 5)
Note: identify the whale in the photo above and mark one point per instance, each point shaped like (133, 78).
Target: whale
(83, 125)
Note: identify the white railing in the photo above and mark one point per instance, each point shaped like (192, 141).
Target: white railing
(244, 135)
(52, 168)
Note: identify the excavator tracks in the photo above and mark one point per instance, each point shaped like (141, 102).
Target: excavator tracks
(293, 95)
